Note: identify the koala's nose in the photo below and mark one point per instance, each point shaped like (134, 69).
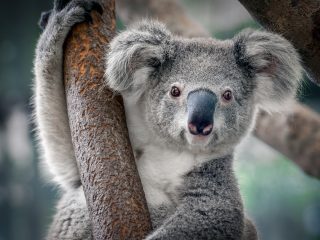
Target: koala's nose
(200, 129)
(201, 104)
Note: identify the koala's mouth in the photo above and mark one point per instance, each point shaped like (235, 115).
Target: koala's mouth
(198, 140)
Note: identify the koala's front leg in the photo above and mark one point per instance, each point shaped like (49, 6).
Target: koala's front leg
(211, 206)
(49, 100)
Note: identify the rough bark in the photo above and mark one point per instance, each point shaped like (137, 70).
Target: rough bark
(297, 132)
(106, 164)
(296, 20)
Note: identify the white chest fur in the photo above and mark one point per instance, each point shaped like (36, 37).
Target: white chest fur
(161, 173)
(161, 169)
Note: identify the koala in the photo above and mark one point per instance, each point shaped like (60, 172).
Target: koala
(188, 103)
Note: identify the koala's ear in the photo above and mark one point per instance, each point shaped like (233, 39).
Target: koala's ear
(134, 55)
(273, 65)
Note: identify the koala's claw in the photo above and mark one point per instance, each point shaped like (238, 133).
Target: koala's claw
(88, 17)
(96, 6)
(88, 6)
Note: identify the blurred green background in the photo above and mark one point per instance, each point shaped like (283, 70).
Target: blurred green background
(281, 199)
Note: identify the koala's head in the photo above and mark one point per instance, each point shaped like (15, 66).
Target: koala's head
(201, 94)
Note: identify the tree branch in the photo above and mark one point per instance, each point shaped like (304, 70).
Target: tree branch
(296, 20)
(106, 164)
(299, 142)
(295, 134)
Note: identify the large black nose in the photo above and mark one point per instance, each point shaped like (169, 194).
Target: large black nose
(201, 104)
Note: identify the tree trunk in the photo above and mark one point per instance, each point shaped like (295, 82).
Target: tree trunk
(296, 20)
(298, 142)
(111, 184)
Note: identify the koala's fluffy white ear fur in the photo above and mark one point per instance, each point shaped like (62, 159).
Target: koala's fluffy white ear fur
(272, 63)
(134, 55)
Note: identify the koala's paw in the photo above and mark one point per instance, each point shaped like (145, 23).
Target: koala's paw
(67, 13)
(77, 11)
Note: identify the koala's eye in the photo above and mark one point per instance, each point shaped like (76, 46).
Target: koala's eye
(175, 91)
(227, 95)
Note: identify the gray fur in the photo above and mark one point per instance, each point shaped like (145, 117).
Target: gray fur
(272, 62)
(147, 53)
(210, 205)
(72, 219)
(49, 100)
(189, 183)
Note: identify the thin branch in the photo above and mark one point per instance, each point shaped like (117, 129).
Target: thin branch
(299, 141)
(295, 134)
(106, 164)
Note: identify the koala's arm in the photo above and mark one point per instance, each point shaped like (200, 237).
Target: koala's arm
(211, 206)
(50, 104)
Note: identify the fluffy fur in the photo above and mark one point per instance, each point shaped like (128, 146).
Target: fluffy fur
(189, 183)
